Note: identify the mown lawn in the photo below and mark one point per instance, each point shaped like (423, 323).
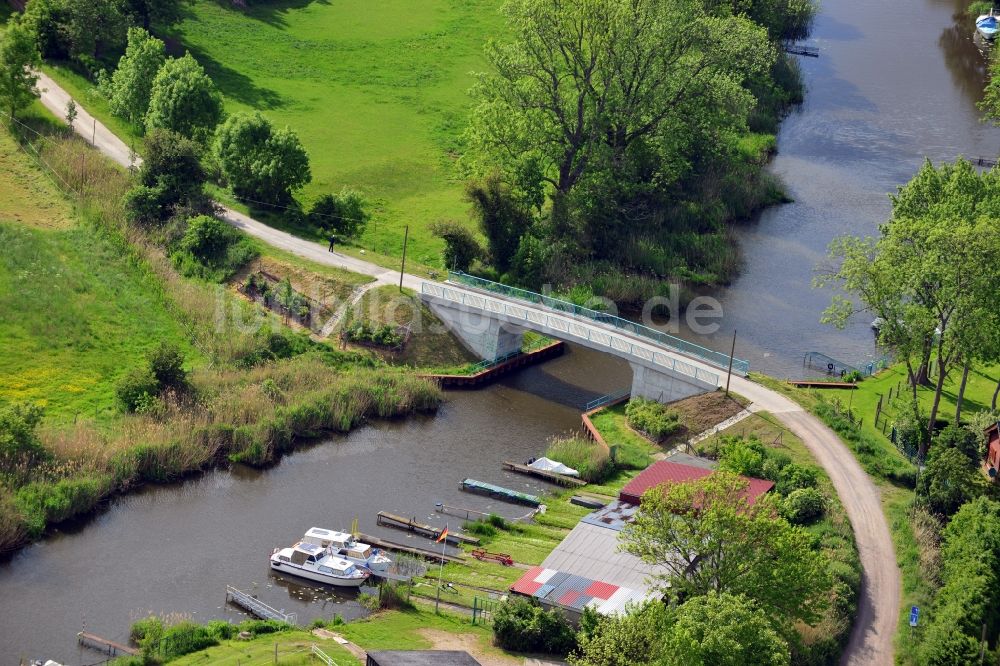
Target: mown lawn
(292, 648)
(378, 93)
(76, 310)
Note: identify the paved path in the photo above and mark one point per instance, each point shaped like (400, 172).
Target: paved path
(871, 640)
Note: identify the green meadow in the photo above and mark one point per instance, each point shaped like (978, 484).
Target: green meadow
(378, 93)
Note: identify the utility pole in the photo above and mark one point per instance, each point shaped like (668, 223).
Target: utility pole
(732, 351)
(93, 141)
(402, 267)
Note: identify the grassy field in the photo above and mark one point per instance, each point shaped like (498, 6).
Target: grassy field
(376, 92)
(292, 649)
(76, 310)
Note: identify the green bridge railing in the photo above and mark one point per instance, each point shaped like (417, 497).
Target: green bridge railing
(679, 345)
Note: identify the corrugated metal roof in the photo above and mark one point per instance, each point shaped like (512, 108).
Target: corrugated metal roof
(692, 461)
(664, 471)
(575, 592)
(591, 552)
(614, 516)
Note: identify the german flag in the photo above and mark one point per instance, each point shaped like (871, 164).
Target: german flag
(442, 536)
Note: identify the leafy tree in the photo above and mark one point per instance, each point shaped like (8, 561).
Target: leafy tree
(18, 437)
(344, 214)
(147, 12)
(71, 112)
(132, 82)
(259, 161)
(137, 387)
(184, 100)
(633, 639)
(167, 365)
(502, 218)
(803, 506)
(45, 20)
(949, 480)
(586, 94)
(91, 27)
(706, 536)
(19, 59)
(741, 455)
(207, 239)
(460, 247)
(724, 630)
(172, 165)
(143, 207)
(961, 439)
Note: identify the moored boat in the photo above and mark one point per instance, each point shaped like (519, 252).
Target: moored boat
(350, 549)
(308, 560)
(987, 25)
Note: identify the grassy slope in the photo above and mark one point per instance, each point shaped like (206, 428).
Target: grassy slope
(377, 93)
(293, 648)
(74, 312)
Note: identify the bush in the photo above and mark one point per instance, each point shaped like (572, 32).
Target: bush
(343, 214)
(741, 455)
(184, 638)
(652, 418)
(804, 506)
(212, 250)
(143, 207)
(167, 365)
(146, 631)
(460, 245)
(520, 625)
(18, 439)
(221, 630)
(260, 162)
(795, 476)
(135, 388)
(261, 627)
(592, 461)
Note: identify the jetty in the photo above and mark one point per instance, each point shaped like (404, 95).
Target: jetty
(499, 492)
(104, 645)
(409, 550)
(386, 519)
(561, 479)
(256, 607)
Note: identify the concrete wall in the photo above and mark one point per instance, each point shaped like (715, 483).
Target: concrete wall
(483, 335)
(652, 385)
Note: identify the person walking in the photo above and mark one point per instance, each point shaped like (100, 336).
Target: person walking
(333, 239)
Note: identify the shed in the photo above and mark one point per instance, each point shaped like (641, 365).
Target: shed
(664, 471)
(421, 658)
(993, 451)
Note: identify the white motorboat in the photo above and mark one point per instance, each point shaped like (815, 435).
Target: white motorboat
(308, 560)
(344, 544)
(987, 25)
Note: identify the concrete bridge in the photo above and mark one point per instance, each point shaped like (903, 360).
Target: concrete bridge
(490, 319)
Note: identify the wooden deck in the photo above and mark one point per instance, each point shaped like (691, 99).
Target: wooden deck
(409, 550)
(103, 644)
(386, 519)
(561, 479)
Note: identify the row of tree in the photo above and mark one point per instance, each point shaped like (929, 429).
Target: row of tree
(930, 279)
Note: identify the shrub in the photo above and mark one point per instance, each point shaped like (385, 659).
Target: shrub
(261, 627)
(795, 476)
(460, 245)
(343, 214)
(185, 638)
(741, 455)
(167, 365)
(521, 625)
(211, 249)
(221, 630)
(143, 207)
(481, 528)
(18, 439)
(136, 388)
(804, 506)
(146, 631)
(585, 456)
(652, 418)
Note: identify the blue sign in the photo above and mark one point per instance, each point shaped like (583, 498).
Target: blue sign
(914, 615)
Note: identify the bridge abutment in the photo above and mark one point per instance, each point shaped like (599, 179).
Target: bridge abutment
(481, 333)
(663, 387)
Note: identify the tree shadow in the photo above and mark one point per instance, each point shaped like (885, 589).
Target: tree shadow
(230, 82)
(272, 13)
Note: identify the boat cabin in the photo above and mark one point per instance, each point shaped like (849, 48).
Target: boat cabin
(327, 538)
(313, 555)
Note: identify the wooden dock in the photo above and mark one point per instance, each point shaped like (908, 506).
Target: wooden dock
(499, 492)
(104, 645)
(819, 383)
(386, 519)
(799, 49)
(561, 479)
(409, 550)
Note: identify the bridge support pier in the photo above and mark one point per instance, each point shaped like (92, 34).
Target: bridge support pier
(481, 333)
(663, 387)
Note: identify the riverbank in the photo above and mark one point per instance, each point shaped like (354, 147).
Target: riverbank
(89, 300)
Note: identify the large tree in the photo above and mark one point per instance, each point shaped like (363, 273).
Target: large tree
(184, 100)
(706, 537)
(147, 12)
(584, 88)
(132, 81)
(260, 162)
(928, 276)
(19, 60)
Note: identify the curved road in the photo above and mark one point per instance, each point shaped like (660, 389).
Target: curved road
(871, 639)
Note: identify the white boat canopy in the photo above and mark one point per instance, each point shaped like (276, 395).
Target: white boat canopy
(548, 465)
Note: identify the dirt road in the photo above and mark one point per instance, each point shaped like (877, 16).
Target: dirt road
(871, 640)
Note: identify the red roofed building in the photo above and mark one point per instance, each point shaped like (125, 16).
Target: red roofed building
(664, 471)
(993, 451)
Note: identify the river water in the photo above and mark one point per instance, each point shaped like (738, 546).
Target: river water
(894, 82)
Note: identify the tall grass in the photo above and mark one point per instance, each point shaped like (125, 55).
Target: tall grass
(584, 455)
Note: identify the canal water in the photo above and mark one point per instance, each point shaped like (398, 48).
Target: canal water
(894, 82)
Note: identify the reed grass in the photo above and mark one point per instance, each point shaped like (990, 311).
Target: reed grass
(584, 455)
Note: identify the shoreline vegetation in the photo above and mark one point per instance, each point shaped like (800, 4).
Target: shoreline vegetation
(248, 389)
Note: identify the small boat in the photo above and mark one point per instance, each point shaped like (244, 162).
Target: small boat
(987, 25)
(343, 544)
(307, 560)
